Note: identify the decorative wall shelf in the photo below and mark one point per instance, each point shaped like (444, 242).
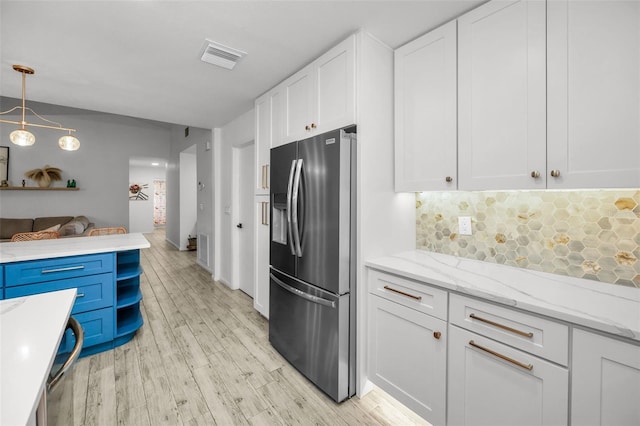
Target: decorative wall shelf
(35, 188)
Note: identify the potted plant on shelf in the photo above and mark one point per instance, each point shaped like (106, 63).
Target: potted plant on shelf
(44, 176)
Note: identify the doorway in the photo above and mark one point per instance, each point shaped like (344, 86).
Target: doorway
(243, 201)
(188, 195)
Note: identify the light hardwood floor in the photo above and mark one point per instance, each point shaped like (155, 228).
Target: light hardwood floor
(202, 357)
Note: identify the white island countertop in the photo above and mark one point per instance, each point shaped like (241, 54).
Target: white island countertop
(31, 330)
(75, 246)
(606, 307)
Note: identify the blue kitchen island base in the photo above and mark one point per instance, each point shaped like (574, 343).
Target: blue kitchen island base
(108, 297)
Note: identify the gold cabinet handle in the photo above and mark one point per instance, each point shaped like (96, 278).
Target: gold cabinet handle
(555, 173)
(504, 357)
(386, 287)
(448, 179)
(502, 326)
(307, 127)
(437, 334)
(535, 174)
(265, 212)
(313, 125)
(264, 177)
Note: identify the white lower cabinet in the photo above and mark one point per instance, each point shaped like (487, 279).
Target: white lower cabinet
(261, 256)
(494, 384)
(408, 356)
(605, 381)
(460, 360)
(408, 343)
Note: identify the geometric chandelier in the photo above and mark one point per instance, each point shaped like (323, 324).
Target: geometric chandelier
(22, 136)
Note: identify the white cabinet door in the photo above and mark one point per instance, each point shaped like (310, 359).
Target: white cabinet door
(261, 253)
(321, 96)
(299, 104)
(269, 122)
(593, 97)
(501, 96)
(485, 389)
(605, 381)
(406, 359)
(263, 142)
(276, 97)
(425, 112)
(335, 73)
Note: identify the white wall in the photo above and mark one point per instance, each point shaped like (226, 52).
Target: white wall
(236, 133)
(100, 167)
(141, 212)
(188, 195)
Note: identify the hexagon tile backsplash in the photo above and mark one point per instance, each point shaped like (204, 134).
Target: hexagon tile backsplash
(586, 234)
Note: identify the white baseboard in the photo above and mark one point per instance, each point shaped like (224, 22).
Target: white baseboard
(172, 243)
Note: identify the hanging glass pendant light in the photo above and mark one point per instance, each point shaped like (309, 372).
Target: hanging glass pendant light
(69, 142)
(22, 136)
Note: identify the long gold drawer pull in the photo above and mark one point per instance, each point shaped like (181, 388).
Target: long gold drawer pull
(504, 327)
(386, 287)
(70, 268)
(506, 358)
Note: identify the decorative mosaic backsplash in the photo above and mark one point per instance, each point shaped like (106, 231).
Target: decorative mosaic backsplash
(585, 234)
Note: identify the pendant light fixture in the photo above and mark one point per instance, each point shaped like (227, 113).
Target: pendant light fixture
(22, 136)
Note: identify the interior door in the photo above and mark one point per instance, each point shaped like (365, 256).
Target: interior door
(245, 218)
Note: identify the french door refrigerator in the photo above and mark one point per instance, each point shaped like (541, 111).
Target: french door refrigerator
(312, 256)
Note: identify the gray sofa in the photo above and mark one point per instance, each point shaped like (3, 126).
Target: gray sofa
(70, 226)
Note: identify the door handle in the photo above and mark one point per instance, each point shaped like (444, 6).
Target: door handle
(310, 297)
(294, 214)
(239, 226)
(289, 196)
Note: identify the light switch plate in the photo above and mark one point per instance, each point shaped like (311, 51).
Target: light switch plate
(464, 225)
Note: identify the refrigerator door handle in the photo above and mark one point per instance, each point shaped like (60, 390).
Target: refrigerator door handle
(294, 214)
(289, 195)
(300, 293)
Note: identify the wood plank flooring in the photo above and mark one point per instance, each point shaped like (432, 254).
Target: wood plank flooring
(202, 357)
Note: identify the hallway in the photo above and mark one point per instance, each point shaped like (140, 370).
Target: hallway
(202, 357)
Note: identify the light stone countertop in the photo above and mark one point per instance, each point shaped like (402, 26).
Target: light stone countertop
(606, 307)
(62, 247)
(32, 328)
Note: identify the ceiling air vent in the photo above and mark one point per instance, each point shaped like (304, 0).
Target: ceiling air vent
(220, 55)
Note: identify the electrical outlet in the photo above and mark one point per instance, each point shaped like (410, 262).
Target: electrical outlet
(464, 225)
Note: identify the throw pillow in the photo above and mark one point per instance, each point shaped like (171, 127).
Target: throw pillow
(53, 228)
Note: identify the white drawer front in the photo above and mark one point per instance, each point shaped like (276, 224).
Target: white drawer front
(538, 336)
(421, 297)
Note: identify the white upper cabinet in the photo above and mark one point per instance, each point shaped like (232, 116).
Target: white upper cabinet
(335, 87)
(425, 112)
(321, 96)
(268, 134)
(262, 108)
(593, 50)
(501, 96)
(298, 110)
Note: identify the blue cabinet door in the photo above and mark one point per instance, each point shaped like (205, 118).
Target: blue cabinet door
(93, 292)
(35, 271)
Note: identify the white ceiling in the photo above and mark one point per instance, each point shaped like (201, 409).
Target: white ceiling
(142, 58)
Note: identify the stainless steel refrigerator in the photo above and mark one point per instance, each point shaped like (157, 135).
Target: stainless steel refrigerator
(312, 256)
